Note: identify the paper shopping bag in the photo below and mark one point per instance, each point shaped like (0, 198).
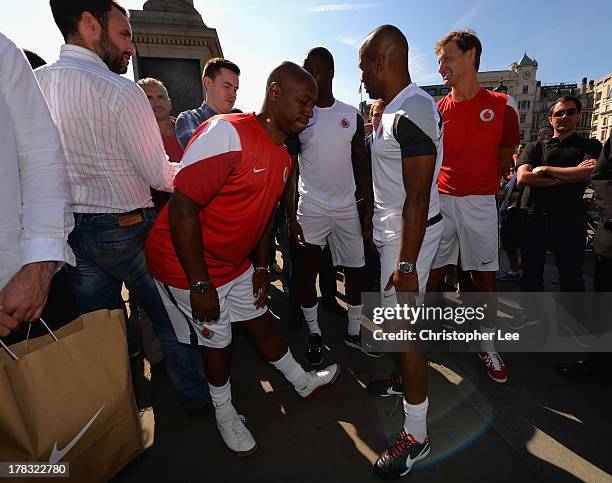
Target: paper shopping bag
(71, 400)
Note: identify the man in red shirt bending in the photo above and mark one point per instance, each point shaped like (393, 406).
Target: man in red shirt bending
(233, 173)
(481, 130)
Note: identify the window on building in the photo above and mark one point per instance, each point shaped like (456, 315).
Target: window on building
(522, 135)
(604, 135)
(523, 119)
(525, 89)
(609, 93)
(605, 121)
(444, 91)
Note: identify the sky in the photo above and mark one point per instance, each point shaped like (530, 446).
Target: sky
(569, 39)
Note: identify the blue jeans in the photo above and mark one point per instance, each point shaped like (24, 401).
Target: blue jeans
(107, 255)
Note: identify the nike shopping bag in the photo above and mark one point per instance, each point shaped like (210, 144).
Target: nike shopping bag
(71, 400)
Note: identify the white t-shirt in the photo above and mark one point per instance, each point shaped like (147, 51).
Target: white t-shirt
(411, 125)
(324, 149)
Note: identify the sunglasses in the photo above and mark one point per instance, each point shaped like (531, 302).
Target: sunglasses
(567, 112)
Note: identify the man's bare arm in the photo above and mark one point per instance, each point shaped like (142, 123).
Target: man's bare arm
(505, 159)
(526, 177)
(576, 174)
(186, 231)
(417, 173)
(262, 250)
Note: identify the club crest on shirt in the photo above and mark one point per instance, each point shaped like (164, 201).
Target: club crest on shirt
(344, 122)
(206, 333)
(487, 115)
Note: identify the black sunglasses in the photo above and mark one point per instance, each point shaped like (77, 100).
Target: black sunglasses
(567, 112)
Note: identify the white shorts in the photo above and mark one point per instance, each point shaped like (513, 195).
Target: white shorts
(389, 257)
(340, 229)
(471, 233)
(235, 305)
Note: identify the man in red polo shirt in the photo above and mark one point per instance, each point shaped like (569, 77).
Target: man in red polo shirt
(233, 173)
(481, 130)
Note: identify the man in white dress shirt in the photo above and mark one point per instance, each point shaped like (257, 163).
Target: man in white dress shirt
(35, 216)
(114, 155)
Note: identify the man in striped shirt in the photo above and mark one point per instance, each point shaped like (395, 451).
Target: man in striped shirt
(114, 154)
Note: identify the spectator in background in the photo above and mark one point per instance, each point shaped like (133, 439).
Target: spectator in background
(35, 216)
(160, 101)
(596, 369)
(371, 272)
(512, 221)
(557, 170)
(220, 79)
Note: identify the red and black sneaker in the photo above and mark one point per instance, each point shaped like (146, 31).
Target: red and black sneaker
(496, 369)
(397, 461)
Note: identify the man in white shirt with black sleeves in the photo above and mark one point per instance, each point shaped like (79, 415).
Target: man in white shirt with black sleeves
(114, 155)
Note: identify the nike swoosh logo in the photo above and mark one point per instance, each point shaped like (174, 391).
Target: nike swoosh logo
(255, 170)
(58, 454)
(486, 263)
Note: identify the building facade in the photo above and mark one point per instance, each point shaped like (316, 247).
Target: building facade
(602, 112)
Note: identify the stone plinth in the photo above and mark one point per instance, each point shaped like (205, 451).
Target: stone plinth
(173, 44)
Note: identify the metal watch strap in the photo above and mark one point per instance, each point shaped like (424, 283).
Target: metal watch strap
(201, 286)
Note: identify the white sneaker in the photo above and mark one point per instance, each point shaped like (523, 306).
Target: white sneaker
(319, 380)
(235, 434)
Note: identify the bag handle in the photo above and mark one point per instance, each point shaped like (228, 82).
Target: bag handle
(12, 354)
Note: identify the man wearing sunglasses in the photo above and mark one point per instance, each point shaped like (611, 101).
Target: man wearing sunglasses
(557, 169)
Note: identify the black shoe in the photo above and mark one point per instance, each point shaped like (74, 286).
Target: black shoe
(586, 372)
(386, 387)
(399, 458)
(314, 352)
(354, 341)
(334, 307)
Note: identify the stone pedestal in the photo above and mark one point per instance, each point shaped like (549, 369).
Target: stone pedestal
(173, 44)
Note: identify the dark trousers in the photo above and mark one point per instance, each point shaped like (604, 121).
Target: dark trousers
(603, 274)
(565, 236)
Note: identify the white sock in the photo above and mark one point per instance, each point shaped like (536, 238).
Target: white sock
(354, 318)
(487, 345)
(415, 419)
(221, 399)
(311, 316)
(292, 371)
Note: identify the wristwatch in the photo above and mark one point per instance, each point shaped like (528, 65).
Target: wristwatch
(405, 267)
(201, 286)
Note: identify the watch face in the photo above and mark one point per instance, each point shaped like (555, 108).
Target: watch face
(405, 267)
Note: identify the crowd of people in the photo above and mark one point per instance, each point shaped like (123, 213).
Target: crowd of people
(102, 187)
